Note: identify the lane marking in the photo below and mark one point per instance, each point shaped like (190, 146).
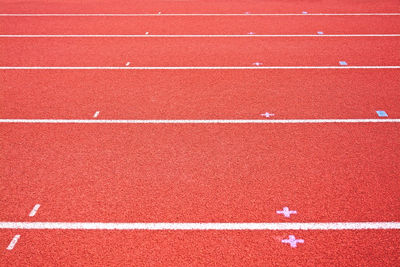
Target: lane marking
(201, 226)
(187, 15)
(292, 241)
(382, 113)
(267, 115)
(13, 242)
(343, 63)
(286, 212)
(249, 35)
(96, 114)
(201, 68)
(200, 121)
(127, 63)
(34, 210)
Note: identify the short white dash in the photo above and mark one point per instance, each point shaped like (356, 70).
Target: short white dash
(96, 114)
(127, 63)
(34, 210)
(13, 242)
(147, 33)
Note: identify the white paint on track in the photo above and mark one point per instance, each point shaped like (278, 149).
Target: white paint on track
(200, 226)
(201, 68)
(260, 121)
(34, 210)
(190, 35)
(195, 15)
(13, 242)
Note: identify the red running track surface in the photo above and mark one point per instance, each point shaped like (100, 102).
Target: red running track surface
(200, 173)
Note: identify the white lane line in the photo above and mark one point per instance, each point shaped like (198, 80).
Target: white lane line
(188, 35)
(261, 121)
(34, 210)
(13, 242)
(96, 114)
(206, 15)
(202, 68)
(201, 226)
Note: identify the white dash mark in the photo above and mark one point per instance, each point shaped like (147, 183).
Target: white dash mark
(13, 242)
(147, 33)
(320, 32)
(96, 114)
(267, 115)
(34, 210)
(128, 63)
(159, 13)
(304, 12)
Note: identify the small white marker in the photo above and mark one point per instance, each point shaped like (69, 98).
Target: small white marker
(304, 12)
(247, 12)
(147, 33)
(159, 13)
(96, 114)
(251, 33)
(257, 64)
(267, 115)
(34, 210)
(343, 63)
(320, 32)
(127, 64)
(13, 242)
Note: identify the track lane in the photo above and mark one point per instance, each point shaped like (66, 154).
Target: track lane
(189, 6)
(201, 25)
(116, 248)
(199, 51)
(192, 173)
(202, 94)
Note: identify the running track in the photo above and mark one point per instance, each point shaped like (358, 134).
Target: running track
(105, 132)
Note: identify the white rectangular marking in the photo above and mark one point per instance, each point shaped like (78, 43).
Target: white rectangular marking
(201, 226)
(188, 35)
(204, 68)
(34, 210)
(96, 114)
(196, 15)
(260, 121)
(13, 242)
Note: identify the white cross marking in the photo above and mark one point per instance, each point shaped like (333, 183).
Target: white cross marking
(267, 115)
(286, 212)
(292, 241)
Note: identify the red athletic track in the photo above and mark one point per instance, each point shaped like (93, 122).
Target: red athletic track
(200, 94)
(226, 248)
(199, 172)
(192, 6)
(202, 25)
(199, 51)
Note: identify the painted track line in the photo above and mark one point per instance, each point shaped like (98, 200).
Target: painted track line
(200, 226)
(77, 121)
(175, 15)
(34, 210)
(13, 242)
(189, 35)
(201, 68)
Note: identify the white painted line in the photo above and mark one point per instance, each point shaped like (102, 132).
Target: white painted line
(96, 114)
(13, 242)
(195, 15)
(260, 121)
(187, 35)
(201, 226)
(202, 68)
(34, 210)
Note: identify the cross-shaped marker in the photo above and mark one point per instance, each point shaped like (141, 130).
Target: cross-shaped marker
(267, 115)
(286, 212)
(257, 64)
(292, 241)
